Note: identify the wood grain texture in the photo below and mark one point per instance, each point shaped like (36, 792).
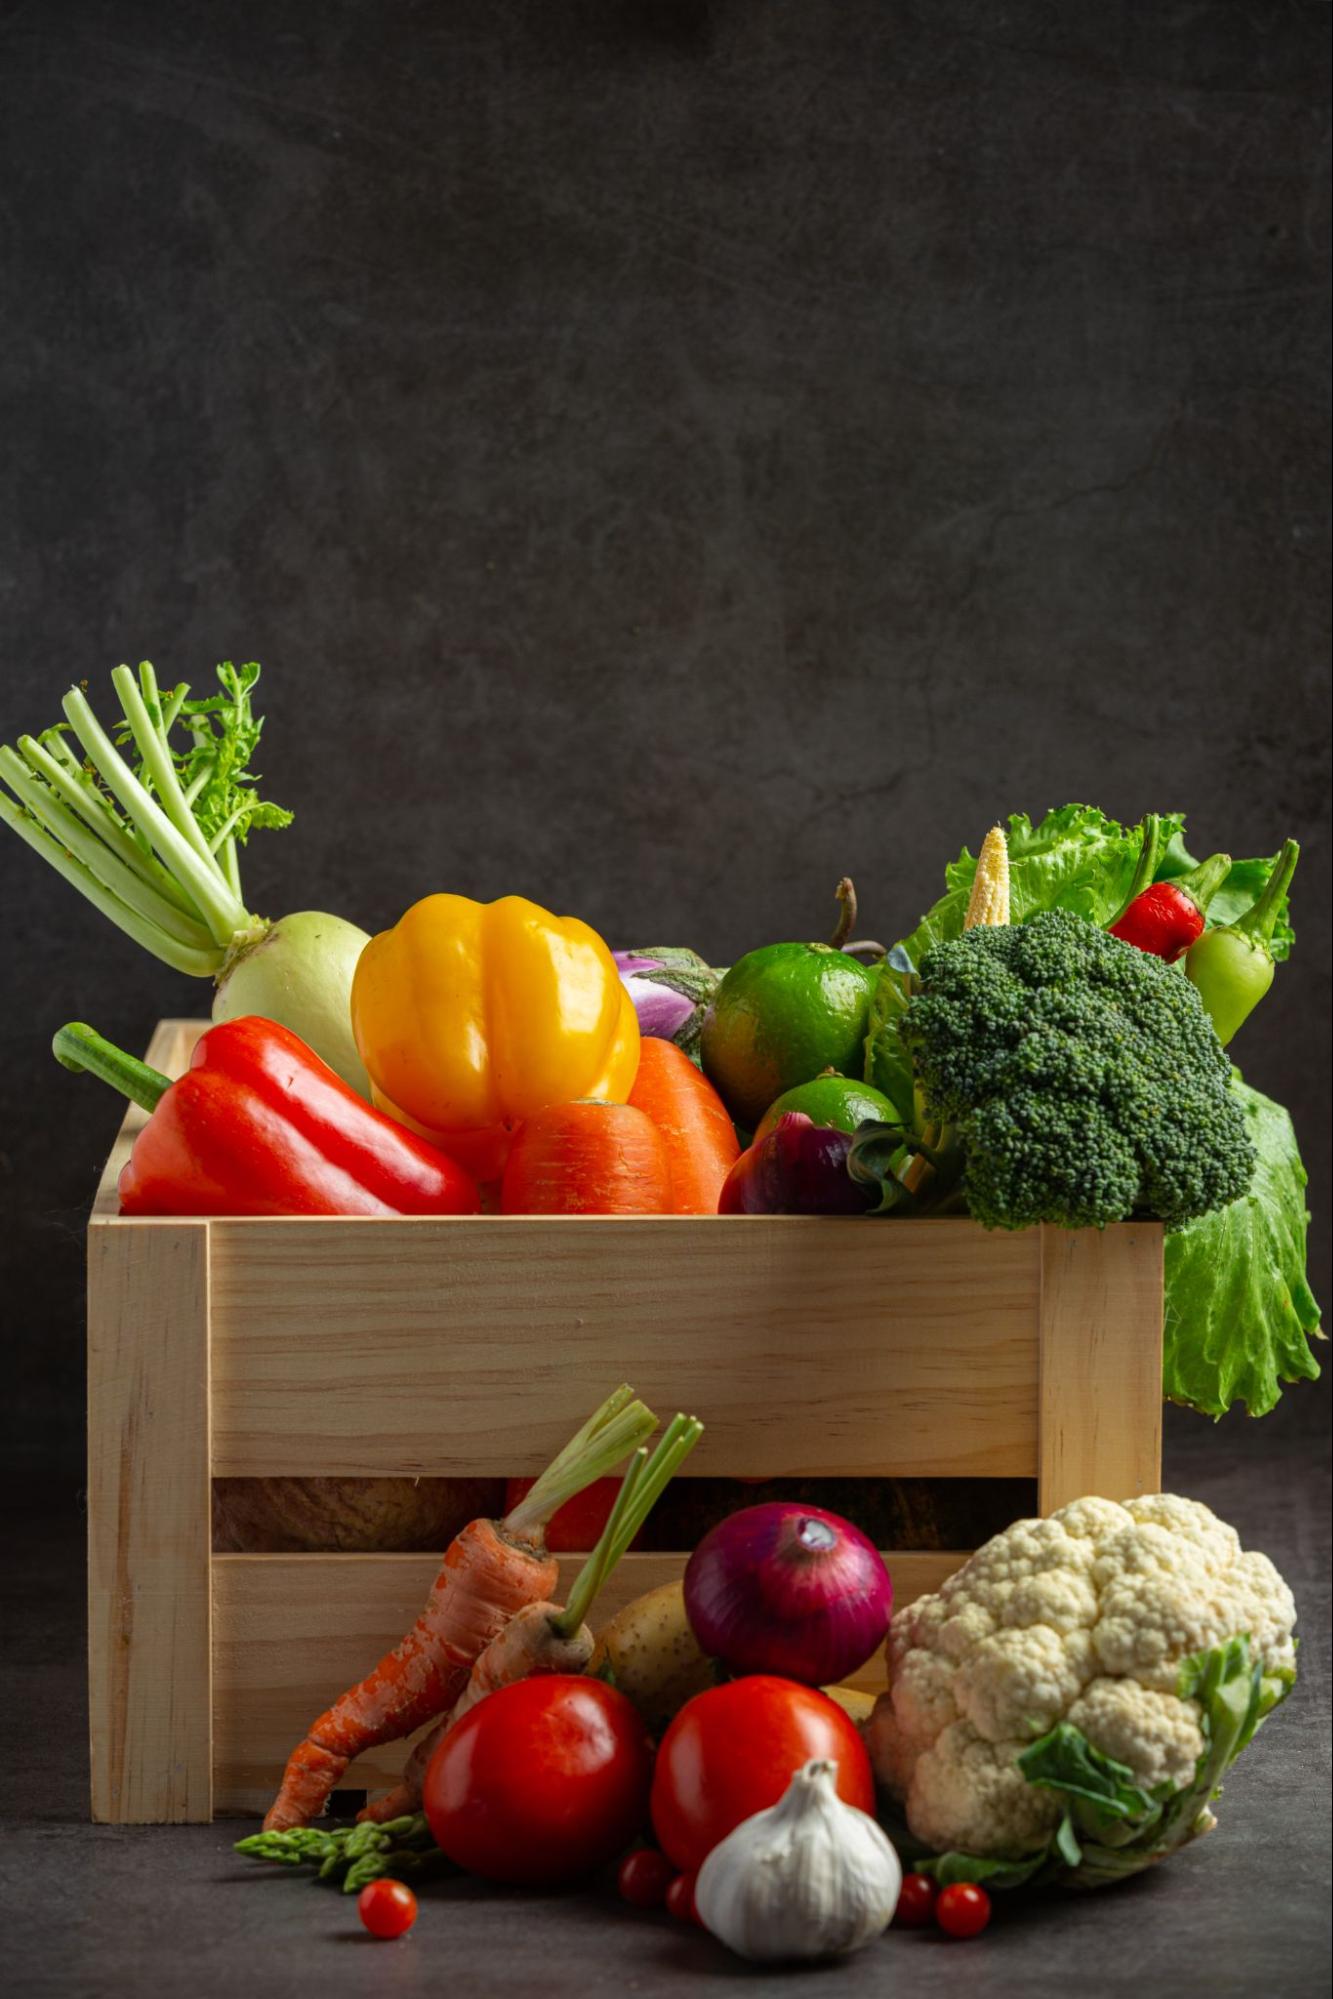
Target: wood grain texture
(1100, 1429)
(291, 1631)
(474, 1347)
(149, 1640)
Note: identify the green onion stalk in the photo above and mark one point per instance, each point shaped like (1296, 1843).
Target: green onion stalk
(148, 826)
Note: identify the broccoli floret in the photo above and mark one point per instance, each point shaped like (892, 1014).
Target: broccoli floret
(1082, 1077)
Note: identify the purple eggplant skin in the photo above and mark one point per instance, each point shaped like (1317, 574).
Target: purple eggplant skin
(670, 987)
(661, 1010)
(800, 1168)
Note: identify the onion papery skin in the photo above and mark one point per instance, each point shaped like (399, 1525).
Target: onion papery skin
(797, 1168)
(791, 1590)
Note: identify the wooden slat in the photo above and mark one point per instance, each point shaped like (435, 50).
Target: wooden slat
(169, 1050)
(291, 1631)
(149, 1640)
(474, 1347)
(1101, 1363)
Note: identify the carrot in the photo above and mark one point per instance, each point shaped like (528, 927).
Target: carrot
(550, 1637)
(587, 1158)
(490, 1571)
(696, 1129)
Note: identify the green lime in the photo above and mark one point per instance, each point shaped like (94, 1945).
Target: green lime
(780, 1016)
(835, 1102)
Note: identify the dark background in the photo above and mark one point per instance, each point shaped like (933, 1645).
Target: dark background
(665, 455)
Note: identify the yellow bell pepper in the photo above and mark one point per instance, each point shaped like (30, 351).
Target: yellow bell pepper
(470, 1016)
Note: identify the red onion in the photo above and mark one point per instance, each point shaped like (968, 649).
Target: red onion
(798, 1168)
(791, 1590)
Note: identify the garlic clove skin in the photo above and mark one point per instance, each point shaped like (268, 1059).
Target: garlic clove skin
(809, 1878)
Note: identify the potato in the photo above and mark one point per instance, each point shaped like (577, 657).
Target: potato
(655, 1660)
(653, 1655)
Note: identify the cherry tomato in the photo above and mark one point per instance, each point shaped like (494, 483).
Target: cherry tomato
(680, 1900)
(732, 1751)
(542, 1782)
(962, 1909)
(916, 1902)
(576, 1527)
(386, 1907)
(644, 1877)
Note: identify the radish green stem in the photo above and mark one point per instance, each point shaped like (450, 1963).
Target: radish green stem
(157, 762)
(609, 1435)
(200, 964)
(67, 779)
(221, 910)
(644, 1482)
(102, 863)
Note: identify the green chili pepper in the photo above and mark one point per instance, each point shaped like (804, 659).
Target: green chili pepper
(1233, 967)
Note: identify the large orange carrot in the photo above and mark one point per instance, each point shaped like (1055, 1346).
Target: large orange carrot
(587, 1158)
(490, 1571)
(696, 1129)
(551, 1637)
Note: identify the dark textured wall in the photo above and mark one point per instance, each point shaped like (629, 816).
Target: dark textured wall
(665, 455)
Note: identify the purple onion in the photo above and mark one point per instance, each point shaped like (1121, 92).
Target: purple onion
(799, 1168)
(788, 1589)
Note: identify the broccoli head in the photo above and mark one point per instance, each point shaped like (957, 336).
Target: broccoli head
(1082, 1077)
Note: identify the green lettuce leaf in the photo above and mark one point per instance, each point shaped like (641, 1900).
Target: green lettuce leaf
(1076, 858)
(1239, 1313)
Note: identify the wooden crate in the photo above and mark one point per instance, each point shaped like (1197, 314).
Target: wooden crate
(473, 1347)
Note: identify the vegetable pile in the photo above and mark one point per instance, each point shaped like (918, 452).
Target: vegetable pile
(1029, 1053)
(1046, 1047)
(1062, 1712)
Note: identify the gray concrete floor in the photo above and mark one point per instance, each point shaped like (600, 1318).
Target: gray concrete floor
(93, 1910)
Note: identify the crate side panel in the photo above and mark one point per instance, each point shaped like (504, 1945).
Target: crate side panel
(149, 1646)
(1101, 1363)
(811, 1347)
(290, 1631)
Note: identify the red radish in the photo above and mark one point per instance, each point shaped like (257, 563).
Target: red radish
(788, 1589)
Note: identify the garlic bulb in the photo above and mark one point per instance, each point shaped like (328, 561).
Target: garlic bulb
(810, 1877)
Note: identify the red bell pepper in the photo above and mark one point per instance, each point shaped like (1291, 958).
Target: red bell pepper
(1164, 918)
(258, 1125)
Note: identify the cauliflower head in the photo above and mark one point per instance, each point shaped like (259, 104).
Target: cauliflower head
(1077, 1686)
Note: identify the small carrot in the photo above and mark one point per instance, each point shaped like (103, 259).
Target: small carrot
(490, 1571)
(587, 1158)
(696, 1128)
(550, 1637)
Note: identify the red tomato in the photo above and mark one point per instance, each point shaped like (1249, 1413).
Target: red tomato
(386, 1907)
(733, 1750)
(963, 1909)
(576, 1527)
(542, 1782)
(916, 1902)
(644, 1877)
(680, 1900)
